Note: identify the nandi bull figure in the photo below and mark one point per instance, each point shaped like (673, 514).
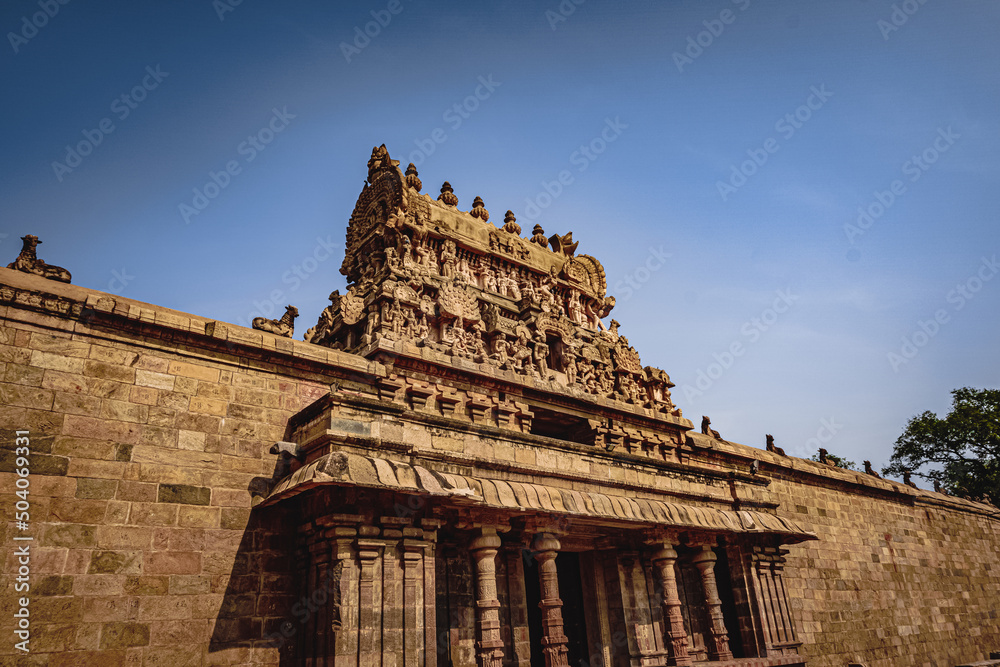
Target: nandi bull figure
(28, 262)
(283, 327)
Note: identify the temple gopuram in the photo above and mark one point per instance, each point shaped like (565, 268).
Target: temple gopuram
(463, 464)
(516, 464)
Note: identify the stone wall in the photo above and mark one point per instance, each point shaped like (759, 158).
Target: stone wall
(150, 432)
(149, 442)
(893, 580)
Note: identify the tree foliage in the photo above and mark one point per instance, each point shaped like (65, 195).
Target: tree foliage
(961, 451)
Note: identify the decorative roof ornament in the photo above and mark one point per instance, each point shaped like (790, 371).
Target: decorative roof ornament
(379, 161)
(28, 262)
(447, 195)
(563, 244)
(538, 236)
(478, 210)
(510, 224)
(412, 179)
(283, 327)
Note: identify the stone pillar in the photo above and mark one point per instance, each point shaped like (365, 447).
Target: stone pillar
(546, 547)
(664, 560)
(430, 527)
(489, 647)
(718, 644)
(369, 597)
(413, 596)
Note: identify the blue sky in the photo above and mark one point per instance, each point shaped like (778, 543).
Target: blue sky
(741, 142)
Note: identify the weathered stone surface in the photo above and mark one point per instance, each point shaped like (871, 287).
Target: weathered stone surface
(184, 494)
(118, 634)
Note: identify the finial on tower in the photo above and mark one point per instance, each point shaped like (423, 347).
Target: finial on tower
(510, 224)
(479, 210)
(412, 179)
(447, 195)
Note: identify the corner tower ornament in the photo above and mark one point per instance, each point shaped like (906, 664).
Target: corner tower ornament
(28, 262)
(431, 281)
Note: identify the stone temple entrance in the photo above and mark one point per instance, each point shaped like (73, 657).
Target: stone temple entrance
(494, 414)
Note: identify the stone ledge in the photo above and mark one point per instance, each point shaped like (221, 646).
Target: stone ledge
(62, 303)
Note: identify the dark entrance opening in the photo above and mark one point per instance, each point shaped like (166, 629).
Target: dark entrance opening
(571, 592)
(729, 614)
(574, 623)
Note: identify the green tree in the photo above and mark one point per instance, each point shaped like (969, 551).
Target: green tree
(962, 451)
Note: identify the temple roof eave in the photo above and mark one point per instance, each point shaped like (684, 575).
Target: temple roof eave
(346, 469)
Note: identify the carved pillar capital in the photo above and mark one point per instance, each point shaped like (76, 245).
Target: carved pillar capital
(485, 538)
(545, 543)
(705, 558)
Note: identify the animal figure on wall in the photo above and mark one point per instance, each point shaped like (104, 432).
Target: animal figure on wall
(823, 457)
(868, 469)
(283, 327)
(28, 262)
(907, 480)
(706, 428)
(771, 447)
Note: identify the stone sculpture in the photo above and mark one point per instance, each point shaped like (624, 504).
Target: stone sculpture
(28, 262)
(706, 428)
(326, 319)
(283, 327)
(771, 447)
(869, 470)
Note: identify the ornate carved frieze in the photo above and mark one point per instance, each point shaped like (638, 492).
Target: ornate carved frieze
(423, 272)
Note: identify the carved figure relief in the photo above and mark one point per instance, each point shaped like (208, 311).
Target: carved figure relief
(459, 303)
(422, 270)
(541, 357)
(352, 307)
(490, 281)
(449, 259)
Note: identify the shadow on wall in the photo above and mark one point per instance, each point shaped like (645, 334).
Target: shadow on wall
(258, 612)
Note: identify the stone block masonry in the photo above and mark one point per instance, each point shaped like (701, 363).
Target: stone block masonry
(149, 445)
